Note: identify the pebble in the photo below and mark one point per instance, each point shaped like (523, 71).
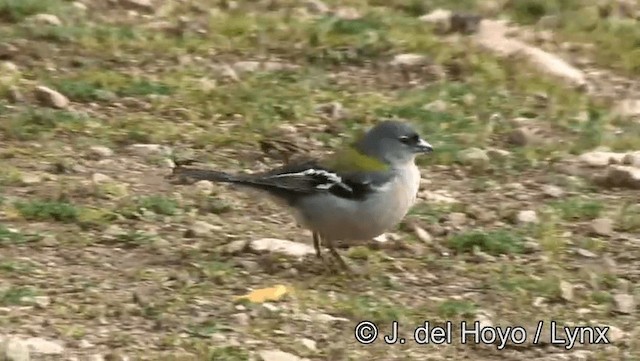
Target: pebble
(601, 227)
(98, 152)
(527, 217)
(51, 98)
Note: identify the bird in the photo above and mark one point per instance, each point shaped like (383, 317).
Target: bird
(357, 193)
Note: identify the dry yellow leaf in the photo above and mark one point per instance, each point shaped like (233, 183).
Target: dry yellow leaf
(266, 294)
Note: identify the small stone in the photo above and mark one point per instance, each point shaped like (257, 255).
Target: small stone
(277, 355)
(586, 253)
(42, 301)
(145, 150)
(14, 350)
(566, 291)
(474, 157)
(422, 234)
(98, 152)
(294, 249)
(335, 110)
(627, 108)
(49, 240)
(46, 19)
(632, 159)
(615, 334)
(527, 217)
(317, 7)
(440, 18)
(42, 346)
(242, 318)
(79, 6)
(408, 60)
(552, 191)
(201, 229)
(457, 219)
(310, 344)
(484, 320)
(325, 318)
(347, 13)
(51, 98)
(624, 303)
(114, 231)
(498, 154)
(522, 136)
(601, 227)
(204, 186)
(600, 159)
(99, 178)
(9, 67)
(30, 179)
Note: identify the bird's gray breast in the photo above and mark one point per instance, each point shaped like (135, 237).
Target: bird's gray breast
(348, 219)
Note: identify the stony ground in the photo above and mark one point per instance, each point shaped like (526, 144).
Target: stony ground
(529, 208)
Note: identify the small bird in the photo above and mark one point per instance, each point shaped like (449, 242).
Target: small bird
(355, 194)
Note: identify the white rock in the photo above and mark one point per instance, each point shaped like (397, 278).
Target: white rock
(441, 18)
(204, 186)
(498, 154)
(317, 7)
(493, 35)
(408, 60)
(457, 219)
(615, 334)
(30, 179)
(99, 178)
(294, 249)
(43, 346)
(46, 19)
(601, 227)
(600, 159)
(51, 98)
(202, 229)
(627, 108)
(527, 216)
(624, 303)
(144, 150)
(79, 5)
(309, 343)
(632, 159)
(277, 355)
(566, 290)
(325, 318)
(9, 67)
(347, 13)
(100, 152)
(422, 234)
(14, 350)
(552, 191)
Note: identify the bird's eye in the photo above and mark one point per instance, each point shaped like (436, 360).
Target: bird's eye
(410, 139)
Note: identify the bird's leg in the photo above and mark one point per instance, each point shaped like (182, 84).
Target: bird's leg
(336, 255)
(316, 244)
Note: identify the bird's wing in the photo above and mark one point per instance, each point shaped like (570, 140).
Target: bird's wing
(314, 176)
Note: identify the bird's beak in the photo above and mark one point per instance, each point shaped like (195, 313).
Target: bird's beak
(423, 146)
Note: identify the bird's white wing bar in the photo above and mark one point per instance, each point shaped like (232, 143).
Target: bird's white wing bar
(332, 179)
